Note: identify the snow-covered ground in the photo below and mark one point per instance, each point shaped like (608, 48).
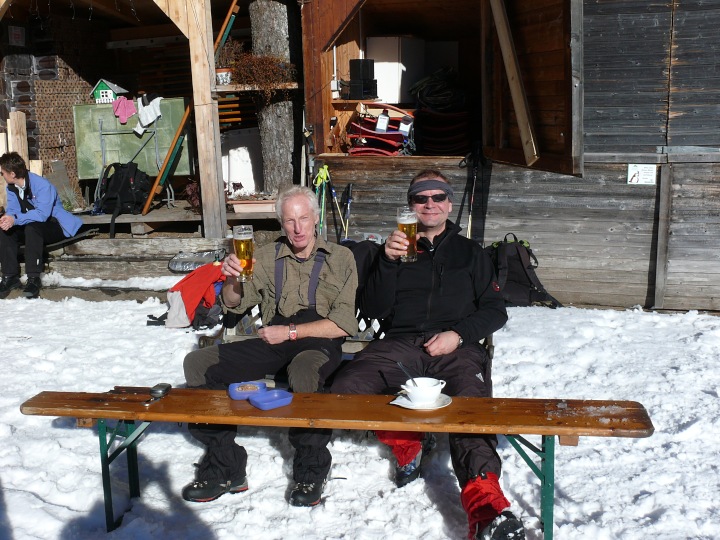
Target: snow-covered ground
(662, 487)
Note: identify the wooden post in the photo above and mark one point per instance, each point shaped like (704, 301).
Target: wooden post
(577, 104)
(17, 135)
(36, 166)
(663, 233)
(194, 19)
(517, 91)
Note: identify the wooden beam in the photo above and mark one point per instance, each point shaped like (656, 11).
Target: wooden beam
(177, 11)
(663, 233)
(347, 16)
(207, 124)
(577, 93)
(17, 134)
(36, 166)
(517, 90)
(4, 6)
(194, 19)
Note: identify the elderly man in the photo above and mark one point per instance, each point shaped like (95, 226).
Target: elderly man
(307, 315)
(35, 217)
(435, 311)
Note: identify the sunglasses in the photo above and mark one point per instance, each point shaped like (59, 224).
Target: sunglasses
(422, 199)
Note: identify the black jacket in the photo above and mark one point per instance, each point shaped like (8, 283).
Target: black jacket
(452, 286)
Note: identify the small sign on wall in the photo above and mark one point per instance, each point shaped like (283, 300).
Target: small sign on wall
(642, 174)
(16, 36)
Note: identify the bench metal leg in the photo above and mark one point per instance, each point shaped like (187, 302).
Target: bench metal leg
(130, 434)
(545, 473)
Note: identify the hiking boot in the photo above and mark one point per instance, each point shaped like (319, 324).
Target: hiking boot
(32, 287)
(7, 284)
(306, 494)
(504, 527)
(412, 471)
(206, 491)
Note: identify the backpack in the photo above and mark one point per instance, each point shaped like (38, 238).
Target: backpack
(515, 265)
(122, 192)
(193, 301)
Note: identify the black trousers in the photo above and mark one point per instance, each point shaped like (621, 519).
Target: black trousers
(467, 372)
(35, 236)
(254, 359)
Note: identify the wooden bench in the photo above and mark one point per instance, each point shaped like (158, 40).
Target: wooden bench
(568, 420)
(239, 327)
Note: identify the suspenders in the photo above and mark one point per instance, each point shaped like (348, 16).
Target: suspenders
(314, 275)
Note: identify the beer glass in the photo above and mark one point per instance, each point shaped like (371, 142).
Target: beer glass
(407, 223)
(243, 243)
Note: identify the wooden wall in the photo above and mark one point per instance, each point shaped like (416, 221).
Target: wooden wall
(651, 95)
(539, 32)
(693, 268)
(694, 75)
(594, 236)
(626, 72)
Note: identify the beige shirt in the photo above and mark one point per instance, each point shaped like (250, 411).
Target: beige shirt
(335, 295)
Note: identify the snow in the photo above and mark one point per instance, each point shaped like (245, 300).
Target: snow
(662, 487)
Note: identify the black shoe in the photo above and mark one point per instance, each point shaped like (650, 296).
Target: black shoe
(413, 470)
(32, 287)
(7, 284)
(307, 494)
(504, 527)
(205, 491)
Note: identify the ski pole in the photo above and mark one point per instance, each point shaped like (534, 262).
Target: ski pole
(476, 159)
(347, 214)
(321, 178)
(337, 204)
(332, 208)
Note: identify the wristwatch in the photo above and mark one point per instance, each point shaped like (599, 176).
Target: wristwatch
(460, 341)
(292, 332)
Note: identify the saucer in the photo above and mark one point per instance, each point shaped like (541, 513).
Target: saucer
(405, 403)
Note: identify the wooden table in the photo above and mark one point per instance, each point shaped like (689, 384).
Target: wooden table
(513, 417)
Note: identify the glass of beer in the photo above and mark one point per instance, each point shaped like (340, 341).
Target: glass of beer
(407, 223)
(243, 243)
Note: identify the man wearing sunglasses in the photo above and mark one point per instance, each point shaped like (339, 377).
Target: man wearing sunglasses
(435, 311)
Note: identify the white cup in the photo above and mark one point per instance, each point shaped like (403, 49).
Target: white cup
(427, 389)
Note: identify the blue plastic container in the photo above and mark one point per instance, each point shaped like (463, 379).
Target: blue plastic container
(243, 390)
(272, 399)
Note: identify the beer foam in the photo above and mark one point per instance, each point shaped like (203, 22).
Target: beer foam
(407, 220)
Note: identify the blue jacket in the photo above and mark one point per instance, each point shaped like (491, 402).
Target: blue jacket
(46, 204)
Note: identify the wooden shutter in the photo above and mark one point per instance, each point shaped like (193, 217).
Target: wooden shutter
(532, 106)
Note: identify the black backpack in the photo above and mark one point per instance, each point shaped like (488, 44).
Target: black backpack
(515, 265)
(122, 192)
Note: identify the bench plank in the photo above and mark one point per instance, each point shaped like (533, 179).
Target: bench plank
(566, 418)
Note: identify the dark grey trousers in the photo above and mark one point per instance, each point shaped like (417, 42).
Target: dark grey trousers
(467, 372)
(308, 362)
(35, 236)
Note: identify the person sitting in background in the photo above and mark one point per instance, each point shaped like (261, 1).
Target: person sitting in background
(34, 217)
(435, 311)
(306, 291)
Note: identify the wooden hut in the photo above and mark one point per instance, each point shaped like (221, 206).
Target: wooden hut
(568, 99)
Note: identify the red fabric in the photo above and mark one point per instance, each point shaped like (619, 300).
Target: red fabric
(197, 286)
(405, 445)
(483, 500)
